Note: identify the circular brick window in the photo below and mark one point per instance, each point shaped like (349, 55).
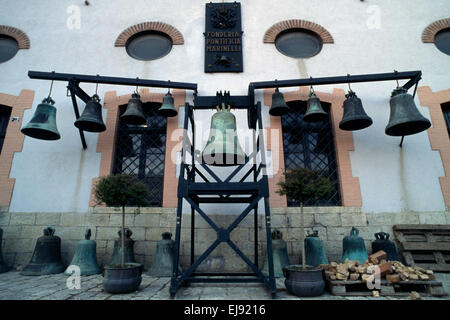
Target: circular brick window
(149, 45)
(442, 41)
(298, 43)
(8, 48)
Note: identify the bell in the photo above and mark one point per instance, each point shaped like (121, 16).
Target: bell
(43, 124)
(354, 247)
(405, 118)
(279, 106)
(315, 253)
(279, 254)
(3, 266)
(116, 258)
(382, 242)
(46, 257)
(354, 118)
(222, 148)
(167, 109)
(314, 111)
(134, 114)
(91, 118)
(163, 261)
(86, 256)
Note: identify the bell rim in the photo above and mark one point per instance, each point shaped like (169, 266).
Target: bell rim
(361, 123)
(275, 111)
(316, 117)
(89, 127)
(167, 112)
(33, 133)
(133, 119)
(414, 126)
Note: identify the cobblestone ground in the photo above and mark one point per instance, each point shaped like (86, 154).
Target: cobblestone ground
(14, 286)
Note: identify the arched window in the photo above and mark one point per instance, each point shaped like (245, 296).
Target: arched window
(310, 145)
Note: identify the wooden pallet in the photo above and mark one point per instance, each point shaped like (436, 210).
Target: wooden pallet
(426, 246)
(401, 289)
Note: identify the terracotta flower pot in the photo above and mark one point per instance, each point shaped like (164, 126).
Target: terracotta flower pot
(306, 282)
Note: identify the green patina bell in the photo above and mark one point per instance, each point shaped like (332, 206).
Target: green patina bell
(46, 257)
(382, 242)
(354, 247)
(91, 119)
(116, 258)
(315, 253)
(85, 256)
(280, 255)
(163, 261)
(168, 109)
(3, 266)
(43, 124)
(133, 114)
(314, 111)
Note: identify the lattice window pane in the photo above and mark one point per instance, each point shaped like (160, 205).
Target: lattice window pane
(140, 151)
(310, 145)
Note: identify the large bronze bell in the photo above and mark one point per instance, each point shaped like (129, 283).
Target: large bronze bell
(86, 256)
(314, 111)
(163, 261)
(168, 109)
(46, 257)
(354, 118)
(354, 247)
(43, 124)
(134, 114)
(91, 119)
(382, 242)
(222, 148)
(279, 106)
(405, 119)
(3, 266)
(279, 254)
(116, 258)
(315, 253)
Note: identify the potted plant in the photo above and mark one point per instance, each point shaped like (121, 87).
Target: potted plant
(121, 190)
(302, 184)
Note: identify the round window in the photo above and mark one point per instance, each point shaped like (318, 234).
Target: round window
(8, 48)
(148, 45)
(442, 41)
(298, 43)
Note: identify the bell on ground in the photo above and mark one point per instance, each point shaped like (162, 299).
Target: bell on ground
(405, 119)
(43, 124)
(91, 118)
(314, 111)
(168, 109)
(222, 148)
(382, 242)
(315, 253)
(116, 258)
(354, 118)
(279, 106)
(46, 257)
(162, 265)
(134, 114)
(279, 254)
(85, 257)
(3, 266)
(354, 247)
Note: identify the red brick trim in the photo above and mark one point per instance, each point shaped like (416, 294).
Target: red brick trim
(13, 141)
(438, 132)
(172, 32)
(272, 33)
(20, 36)
(429, 32)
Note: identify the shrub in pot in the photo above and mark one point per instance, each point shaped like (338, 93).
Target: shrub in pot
(121, 190)
(302, 184)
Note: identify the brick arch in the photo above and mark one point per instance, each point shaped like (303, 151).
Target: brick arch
(272, 33)
(172, 32)
(429, 32)
(20, 36)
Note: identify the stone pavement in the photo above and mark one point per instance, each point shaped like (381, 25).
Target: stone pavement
(14, 286)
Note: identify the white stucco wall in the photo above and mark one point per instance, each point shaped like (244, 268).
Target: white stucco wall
(56, 175)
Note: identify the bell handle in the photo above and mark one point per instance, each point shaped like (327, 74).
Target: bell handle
(377, 236)
(354, 232)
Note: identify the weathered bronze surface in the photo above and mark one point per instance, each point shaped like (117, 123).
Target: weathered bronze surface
(382, 242)
(168, 109)
(279, 106)
(129, 249)
(354, 247)
(314, 111)
(162, 265)
(354, 118)
(91, 119)
(43, 124)
(134, 114)
(315, 253)
(280, 255)
(86, 256)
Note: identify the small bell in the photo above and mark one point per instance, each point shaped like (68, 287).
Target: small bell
(382, 242)
(116, 258)
(168, 109)
(315, 253)
(91, 119)
(279, 106)
(279, 254)
(86, 256)
(46, 257)
(3, 266)
(43, 124)
(163, 261)
(354, 247)
(354, 118)
(314, 111)
(133, 114)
